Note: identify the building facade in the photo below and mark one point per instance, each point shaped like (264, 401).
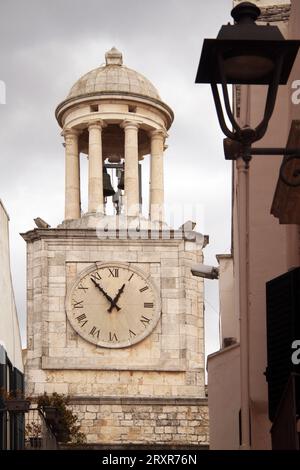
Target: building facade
(115, 319)
(11, 363)
(272, 250)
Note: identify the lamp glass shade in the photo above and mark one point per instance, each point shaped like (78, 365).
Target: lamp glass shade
(247, 67)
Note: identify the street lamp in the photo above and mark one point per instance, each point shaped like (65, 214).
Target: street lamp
(250, 54)
(247, 53)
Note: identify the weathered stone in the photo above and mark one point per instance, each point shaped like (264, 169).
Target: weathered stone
(154, 373)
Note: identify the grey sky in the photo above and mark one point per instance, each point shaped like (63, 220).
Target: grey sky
(45, 46)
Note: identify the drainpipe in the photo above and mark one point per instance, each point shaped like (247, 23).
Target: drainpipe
(243, 233)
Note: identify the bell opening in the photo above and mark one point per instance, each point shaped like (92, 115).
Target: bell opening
(108, 189)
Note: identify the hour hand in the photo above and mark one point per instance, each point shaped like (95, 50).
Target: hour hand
(115, 300)
(105, 294)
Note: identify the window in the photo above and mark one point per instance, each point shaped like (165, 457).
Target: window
(94, 108)
(132, 109)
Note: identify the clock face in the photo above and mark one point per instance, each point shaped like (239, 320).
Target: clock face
(113, 305)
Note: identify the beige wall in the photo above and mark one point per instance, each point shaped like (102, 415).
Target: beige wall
(224, 398)
(228, 318)
(9, 327)
(272, 250)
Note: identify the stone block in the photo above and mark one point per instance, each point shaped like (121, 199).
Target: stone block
(169, 282)
(54, 304)
(169, 255)
(169, 429)
(61, 388)
(162, 390)
(170, 272)
(57, 327)
(174, 378)
(39, 388)
(159, 430)
(170, 342)
(92, 408)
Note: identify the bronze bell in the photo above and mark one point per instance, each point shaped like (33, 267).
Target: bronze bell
(108, 190)
(121, 180)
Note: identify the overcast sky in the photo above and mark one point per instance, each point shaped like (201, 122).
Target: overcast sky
(45, 46)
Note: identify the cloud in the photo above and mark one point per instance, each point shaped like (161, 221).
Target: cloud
(46, 46)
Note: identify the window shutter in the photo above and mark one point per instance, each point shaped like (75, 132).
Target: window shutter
(283, 327)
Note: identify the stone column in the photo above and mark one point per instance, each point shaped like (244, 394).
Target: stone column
(131, 168)
(72, 175)
(157, 175)
(95, 167)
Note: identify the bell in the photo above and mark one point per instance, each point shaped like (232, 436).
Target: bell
(108, 190)
(121, 180)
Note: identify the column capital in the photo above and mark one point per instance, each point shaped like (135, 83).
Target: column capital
(71, 132)
(158, 133)
(99, 124)
(130, 124)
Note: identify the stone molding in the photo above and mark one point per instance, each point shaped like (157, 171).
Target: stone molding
(122, 235)
(59, 363)
(63, 107)
(168, 401)
(275, 13)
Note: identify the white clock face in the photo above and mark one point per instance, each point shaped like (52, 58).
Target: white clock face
(113, 305)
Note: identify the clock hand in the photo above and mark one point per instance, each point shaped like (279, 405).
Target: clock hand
(113, 303)
(115, 300)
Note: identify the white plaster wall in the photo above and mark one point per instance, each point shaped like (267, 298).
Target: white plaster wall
(229, 321)
(9, 326)
(224, 398)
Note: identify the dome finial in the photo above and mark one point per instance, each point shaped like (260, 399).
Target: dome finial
(113, 57)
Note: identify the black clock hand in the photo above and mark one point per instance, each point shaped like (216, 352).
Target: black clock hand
(113, 303)
(115, 300)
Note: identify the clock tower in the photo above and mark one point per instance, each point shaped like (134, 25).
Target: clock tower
(114, 316)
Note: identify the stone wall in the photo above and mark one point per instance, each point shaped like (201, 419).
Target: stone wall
(271, 10)
(56, 257)
(275, 13)
(166, 366)
(139, 421)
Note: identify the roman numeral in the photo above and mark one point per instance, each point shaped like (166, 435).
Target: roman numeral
(132, 334)
(145, 321)
(113, 272)
(95, 332)
(148, 305)
(113, 336)
(131, 277)
(82, 287)
(144, 288)
(78, 304)
(82, 319)
(96, 276)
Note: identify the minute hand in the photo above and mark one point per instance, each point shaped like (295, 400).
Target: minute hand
(113, 303)
(115, 300)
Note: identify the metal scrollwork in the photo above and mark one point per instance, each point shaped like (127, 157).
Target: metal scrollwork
(294, 179)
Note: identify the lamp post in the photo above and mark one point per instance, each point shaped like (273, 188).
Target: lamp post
(249, 54)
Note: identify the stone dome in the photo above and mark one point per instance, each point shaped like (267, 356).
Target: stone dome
(113, 77)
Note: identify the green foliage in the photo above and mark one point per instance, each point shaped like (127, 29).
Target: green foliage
(33, 429)
(64, 427)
